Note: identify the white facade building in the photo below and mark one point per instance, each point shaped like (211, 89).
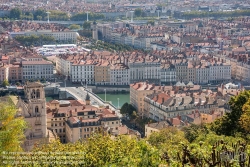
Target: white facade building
(37, 70)
(219, 72)
(142, 71)
(168, 74)
(119, 74)
(83, 72)
(202, 74)
(58, 35)
(63, 66)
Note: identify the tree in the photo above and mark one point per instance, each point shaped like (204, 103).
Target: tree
(167, 139)
(138, 12)
(86, 25)
(74, 27)
(245, 117)
(193, 131)
(39, 14)
(5, 83)
(15, 13)
(151, 22)
(11, 128)
(230, 123)
(101, 150)
(127, 109)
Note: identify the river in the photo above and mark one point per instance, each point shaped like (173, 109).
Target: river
(123, 98)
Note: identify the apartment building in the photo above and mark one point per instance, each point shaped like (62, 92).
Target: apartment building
(137, 93)
(15, 73)
(83, 72)
(163, 106)
(181, 67)
(4, 72)
(145, 69)
(219, 72)
(202, 74)
(119, 74)
(37, 70)
(102, 73)
(168, 74)
(87, 119)
(70, 36)
(243, 71)
(63, 64)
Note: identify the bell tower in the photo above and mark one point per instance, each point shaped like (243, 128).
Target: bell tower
(34, 112)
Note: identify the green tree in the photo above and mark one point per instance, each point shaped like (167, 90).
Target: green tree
(245, 117)
(11, 128)
(74, 27)
(127, 109)
(151, 22)
(230, 124)
(102, 151)
(39, 14)
(86, 25)
(138, 12)
(193, 131)
(15, 13)
(5, 83)
(167, 139)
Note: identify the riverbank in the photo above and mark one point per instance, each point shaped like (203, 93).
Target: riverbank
(113, 97)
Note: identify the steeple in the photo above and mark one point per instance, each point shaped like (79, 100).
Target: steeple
(87, 99)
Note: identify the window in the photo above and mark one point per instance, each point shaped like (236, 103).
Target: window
(36, 110)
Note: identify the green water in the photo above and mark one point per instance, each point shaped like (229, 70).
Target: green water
(123, 98)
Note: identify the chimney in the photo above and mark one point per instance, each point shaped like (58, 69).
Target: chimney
(200, 101)
(174, 102)
(113, 112)
(107, 107)
(83, 107)
(70, 113)
(75, 109)
(162, 100)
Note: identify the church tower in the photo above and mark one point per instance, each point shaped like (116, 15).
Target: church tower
(87, 99)
(94, 31)
(33, 109)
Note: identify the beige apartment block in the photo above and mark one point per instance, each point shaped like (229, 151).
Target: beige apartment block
(102, 73)
(15, 73)
(4, 72)
(140, 90)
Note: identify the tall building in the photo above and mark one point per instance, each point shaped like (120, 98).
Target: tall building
(33, 108)
(94, 31)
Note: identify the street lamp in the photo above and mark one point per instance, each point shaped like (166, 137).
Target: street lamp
(105, 94)
(48, 15)
(65, 82)
(118, 103)
(87, 16)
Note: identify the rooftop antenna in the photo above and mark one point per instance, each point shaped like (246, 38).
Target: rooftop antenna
(48, 15)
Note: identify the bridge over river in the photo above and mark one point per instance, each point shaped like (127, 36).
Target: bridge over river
(80, 93)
